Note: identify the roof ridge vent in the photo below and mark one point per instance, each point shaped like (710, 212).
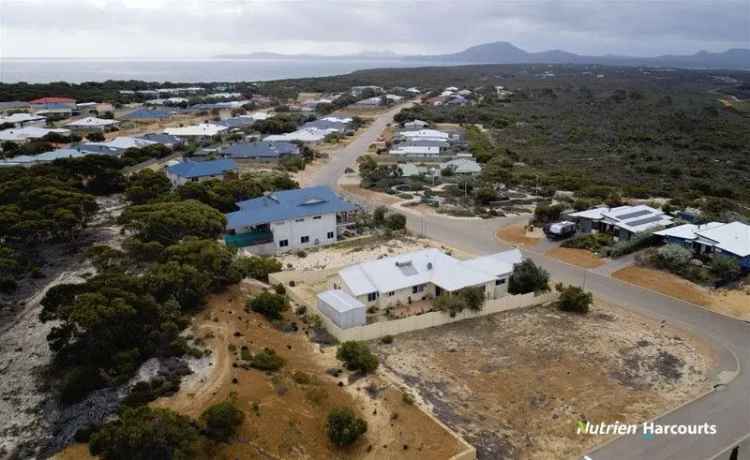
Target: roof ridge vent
(403, 263)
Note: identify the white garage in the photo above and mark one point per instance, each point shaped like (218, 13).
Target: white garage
(343, 309)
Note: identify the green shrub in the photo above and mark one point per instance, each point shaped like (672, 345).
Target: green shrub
(221, 421)
(396, 222)
(343, 427)
(144, 433)
(267, 360)
(593, 242)
(257, 267)
(269, 304)
(725, 268)
(635, 243)
(573, 299)
(528, 277)
(471, 298)
(357, 356)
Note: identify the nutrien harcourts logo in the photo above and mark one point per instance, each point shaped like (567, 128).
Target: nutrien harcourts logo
(649, 430)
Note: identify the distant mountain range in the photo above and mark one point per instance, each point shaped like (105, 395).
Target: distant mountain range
(507, 53)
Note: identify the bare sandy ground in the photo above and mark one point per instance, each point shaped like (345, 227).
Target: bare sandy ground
(578, 257)
(515, 384)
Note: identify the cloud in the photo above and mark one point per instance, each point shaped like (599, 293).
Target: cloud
(190, 28)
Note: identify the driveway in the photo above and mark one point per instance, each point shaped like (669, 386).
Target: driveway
(728, 406)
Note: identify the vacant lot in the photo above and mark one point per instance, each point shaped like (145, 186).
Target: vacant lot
(514, 384)
(285, 418)
(517, 234)
(732, 302)
(578, 257)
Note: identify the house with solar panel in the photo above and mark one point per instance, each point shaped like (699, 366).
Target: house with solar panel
(622, 221)
(289, 220)
(199, 171)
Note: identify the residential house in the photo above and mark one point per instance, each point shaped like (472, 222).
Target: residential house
(426, 135)
(359, 90)
(289, 220)
(306, 135)
(370, 101)
(10, 107)
(462, 166)
(147, 114)
(424, 274)
(622, 221)
(260, 150)
(163, 139)
(47, 157)
(200, 171)
(92, 124)
(19, 120)
(341, 125)
(28, 133)
(240, 122)
(416, 124)
(419, 149)
(197, 132)
(114, 147)
(54, 111)
(343, 309)
(732, 239)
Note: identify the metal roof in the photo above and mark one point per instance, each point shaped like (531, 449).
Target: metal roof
(340, 300)
(286, 205)
(202, 168)
(261, 149)
(733, 237)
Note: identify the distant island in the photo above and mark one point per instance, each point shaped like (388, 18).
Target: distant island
(507, 53)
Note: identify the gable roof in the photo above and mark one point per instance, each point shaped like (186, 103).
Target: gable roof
(92, 122)
(260, 149)
(202, 129)
(340, 301)
(426, 266)
(733, 237)
(241, 121)
(202, 168)
(143, 113)
(687, 231)
(285, 205)
(29, 132)
(53, 100)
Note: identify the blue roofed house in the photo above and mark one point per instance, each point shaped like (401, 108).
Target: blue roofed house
(289, 220)
(732, 239)
(260, 150)
(199, 171)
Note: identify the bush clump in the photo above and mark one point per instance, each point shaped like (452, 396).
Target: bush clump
(528, 277)
(343, 427)
(357, 356)
(221, 421)
(573, 299)
(267, 360)
(269, 304)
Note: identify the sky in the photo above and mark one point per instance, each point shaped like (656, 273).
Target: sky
(204, 28)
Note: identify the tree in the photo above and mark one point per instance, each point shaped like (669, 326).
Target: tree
(96, 137)
(257, 267)
(544, 214)
(573, 299)
(378, 215)
(343, 427)
(725, 268)
(144, 433)
(470, 297)
(267, 360)
(169, 222)
(357, 356)
(396, 221)
(222, 420)
(269, 304)
(528, 277)
(146, 185)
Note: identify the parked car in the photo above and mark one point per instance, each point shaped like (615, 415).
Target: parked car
(560, 230)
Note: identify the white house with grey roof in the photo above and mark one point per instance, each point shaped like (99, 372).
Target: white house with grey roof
(424, 274)
(419, 148)
(622, 221)
(732, 239)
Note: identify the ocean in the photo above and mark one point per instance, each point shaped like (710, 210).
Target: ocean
(183, 70)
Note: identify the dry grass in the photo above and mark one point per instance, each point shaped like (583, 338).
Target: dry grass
(515, 384)
(517, 234)
(666, 283)
(578, 257)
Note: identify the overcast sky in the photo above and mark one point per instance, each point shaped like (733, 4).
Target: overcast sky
(202, 28)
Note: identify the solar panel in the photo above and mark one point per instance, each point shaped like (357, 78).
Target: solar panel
(647, 220)
(630, 215)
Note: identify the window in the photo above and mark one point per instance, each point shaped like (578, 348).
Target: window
(391, 294)
(304, 239)
(330, 235)
(283, 243)
(372, 297)
(317, 217)
(499, 282)
(299, 220)
(417, 289)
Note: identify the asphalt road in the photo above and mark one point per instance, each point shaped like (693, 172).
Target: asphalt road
(728, 406)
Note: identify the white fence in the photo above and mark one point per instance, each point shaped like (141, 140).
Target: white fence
(432, 319)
